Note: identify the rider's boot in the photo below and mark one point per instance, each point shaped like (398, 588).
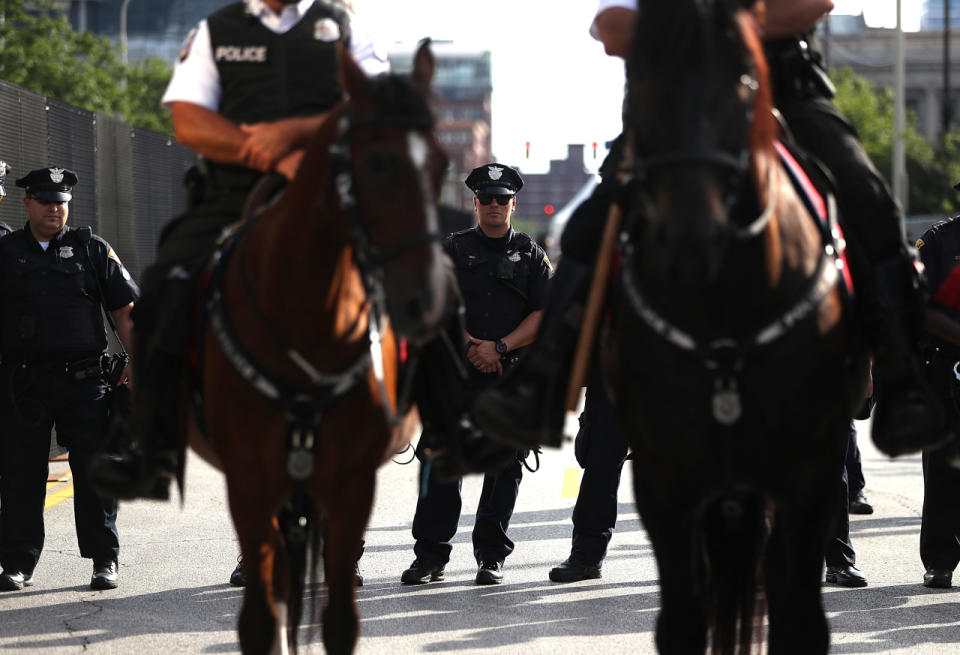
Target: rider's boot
(526, 408)
(142, 463)
(440, 387)
(908, 416)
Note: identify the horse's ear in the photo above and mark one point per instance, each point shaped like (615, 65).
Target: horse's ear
(424, 67)
(352, 78)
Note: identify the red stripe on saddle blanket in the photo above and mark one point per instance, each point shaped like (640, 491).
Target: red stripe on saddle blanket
(948, 295)
(815, 201)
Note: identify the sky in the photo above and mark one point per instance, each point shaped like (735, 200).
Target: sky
(552, 83)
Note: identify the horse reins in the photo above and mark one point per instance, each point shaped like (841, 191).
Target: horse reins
(304, 410)
(725, 355)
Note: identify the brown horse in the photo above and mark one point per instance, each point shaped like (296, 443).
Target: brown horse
(299, 364)
(731, 363)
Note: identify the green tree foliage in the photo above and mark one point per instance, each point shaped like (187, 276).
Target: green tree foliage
(932, 171)
(41, 52)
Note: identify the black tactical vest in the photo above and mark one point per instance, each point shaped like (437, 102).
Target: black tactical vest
(50, 299)
(266, 76)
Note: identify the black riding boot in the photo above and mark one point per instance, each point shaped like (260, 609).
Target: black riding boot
(443, 397)
(908, 417)
(526, 408)
(141, 464)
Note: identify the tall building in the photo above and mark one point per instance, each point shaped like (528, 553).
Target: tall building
(155, 28)
(463, 87)
(932, 18)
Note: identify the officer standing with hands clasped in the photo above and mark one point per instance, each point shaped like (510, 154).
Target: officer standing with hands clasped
(53, 281)
(503, 277)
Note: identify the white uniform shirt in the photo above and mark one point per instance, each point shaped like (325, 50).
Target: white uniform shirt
(607, 4)
(196, 79)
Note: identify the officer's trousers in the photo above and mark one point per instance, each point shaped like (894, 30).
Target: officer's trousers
(438, 513)
(840, 551)
(854, 467)
(940, 525)
(601, 452)
(32, 402)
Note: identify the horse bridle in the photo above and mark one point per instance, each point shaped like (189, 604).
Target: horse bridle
(725, 356)
(304, 409)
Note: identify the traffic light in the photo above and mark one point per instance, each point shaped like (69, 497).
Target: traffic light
(549, 210)
(594, 149)
(528, 150)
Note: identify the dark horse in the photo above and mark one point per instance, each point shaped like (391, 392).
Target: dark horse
(299, 364)
(731, 359)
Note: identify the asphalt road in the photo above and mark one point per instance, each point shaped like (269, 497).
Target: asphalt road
(175, 562)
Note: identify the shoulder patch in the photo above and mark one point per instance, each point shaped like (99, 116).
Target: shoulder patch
(188, 43)
(920, 243)
(111, 254)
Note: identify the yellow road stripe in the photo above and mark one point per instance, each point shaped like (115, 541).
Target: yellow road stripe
(58, 496)
(571, 482)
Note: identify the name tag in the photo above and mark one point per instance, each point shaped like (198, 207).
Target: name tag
(241, 54)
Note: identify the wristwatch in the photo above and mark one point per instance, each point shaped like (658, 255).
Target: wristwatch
(501, 347)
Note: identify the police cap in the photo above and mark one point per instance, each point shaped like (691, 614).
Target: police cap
(495, 179)
(49, 184)
(4, 171)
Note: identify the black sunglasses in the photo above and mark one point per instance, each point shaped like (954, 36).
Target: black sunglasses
(487, 198)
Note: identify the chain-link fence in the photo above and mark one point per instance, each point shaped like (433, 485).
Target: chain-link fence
(131, 180)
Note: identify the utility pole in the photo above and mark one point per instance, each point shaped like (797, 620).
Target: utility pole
(899, 171)
(123, 41)
(947, 108)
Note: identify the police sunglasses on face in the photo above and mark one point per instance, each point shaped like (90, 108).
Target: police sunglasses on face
(487, 198)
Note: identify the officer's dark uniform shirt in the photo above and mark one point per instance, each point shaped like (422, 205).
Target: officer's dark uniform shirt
(266, 76)
(502, 280)
(49, 301)
(939, 249)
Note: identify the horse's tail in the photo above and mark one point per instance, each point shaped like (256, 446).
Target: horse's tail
(302, 534)
(733, 542)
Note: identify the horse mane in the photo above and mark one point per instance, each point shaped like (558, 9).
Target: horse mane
(670, 36)
(764, 129)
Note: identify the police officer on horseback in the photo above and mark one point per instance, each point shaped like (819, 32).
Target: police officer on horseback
(503, 277)
(527, 407)
(254, 81)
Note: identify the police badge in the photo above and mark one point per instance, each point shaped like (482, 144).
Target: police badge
(496, 172)
(56, 175)
(326, 29)
(66, 252)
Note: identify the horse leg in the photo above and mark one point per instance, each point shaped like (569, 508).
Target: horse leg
(346, 519)
(794, 564)
(259, 541)
(682, 624)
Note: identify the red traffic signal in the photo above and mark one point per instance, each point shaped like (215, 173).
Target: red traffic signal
(549, 210)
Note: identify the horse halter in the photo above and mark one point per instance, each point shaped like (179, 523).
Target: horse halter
(736, 165)
(368, 257)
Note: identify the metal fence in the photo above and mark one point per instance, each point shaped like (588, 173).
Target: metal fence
(130, 179)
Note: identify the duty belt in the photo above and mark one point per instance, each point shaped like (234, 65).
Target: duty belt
(79, 369)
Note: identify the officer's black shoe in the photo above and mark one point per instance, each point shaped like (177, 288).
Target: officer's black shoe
(571, 570)
(15, 580)
(526, 408)
(908, 416)
(938, 578)
(490, 573)
(860, 504)
(237, 578)
(846, 576)
(105, 574)
(422, 572)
